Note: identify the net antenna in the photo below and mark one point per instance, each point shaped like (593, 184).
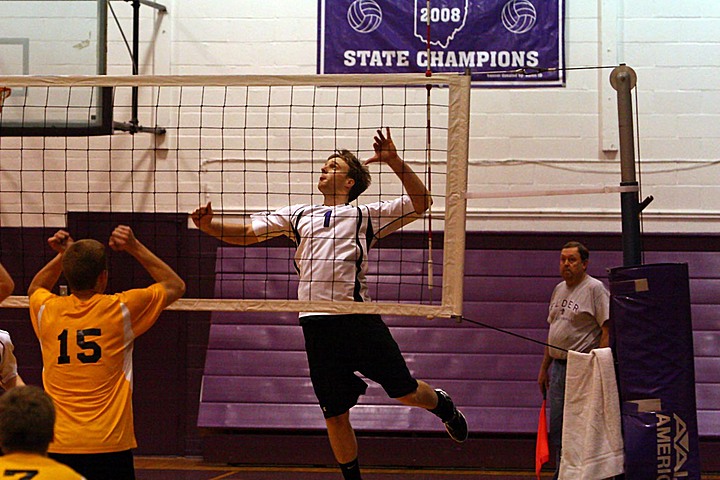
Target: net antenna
(133, 125)
(4, 93)
(428, 155)
(254, 144)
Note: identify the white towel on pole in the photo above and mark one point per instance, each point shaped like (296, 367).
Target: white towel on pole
(592, 444)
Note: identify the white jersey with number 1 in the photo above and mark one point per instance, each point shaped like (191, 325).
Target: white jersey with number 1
(332, 243)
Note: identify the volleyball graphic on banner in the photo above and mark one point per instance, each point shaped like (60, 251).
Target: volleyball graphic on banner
(519, 16)
(364, 16)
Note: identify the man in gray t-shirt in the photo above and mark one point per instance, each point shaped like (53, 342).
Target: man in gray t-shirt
(578, 314)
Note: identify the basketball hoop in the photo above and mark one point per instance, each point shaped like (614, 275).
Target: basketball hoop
(4, 93)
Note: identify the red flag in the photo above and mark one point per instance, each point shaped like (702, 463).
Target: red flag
(542, 449)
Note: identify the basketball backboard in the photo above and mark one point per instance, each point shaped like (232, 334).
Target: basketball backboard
(54, 37)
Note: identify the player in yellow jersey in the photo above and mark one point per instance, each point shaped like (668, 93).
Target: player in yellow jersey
(87, 342)
(27, 417)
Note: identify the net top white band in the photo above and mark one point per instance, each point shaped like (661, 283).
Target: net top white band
(369, 80)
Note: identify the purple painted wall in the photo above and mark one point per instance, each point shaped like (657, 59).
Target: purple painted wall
(509, 293)
(256, 375)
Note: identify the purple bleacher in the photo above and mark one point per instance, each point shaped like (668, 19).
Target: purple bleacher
(256, 374)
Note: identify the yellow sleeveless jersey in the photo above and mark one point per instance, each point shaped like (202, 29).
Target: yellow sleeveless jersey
(87, 364)
(31, 465)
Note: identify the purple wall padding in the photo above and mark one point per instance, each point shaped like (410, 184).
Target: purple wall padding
(492, 375)
(653, 343)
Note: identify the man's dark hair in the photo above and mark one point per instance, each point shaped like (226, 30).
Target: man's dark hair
(82, 263)
(584, 252)
(356, 170)
(27, 420)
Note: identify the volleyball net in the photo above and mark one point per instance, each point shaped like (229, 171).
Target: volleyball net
(248, 145)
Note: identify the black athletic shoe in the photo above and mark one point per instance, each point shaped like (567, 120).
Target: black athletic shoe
(457, 426)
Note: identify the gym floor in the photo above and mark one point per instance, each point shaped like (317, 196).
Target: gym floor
(167, 468)
(175, 468)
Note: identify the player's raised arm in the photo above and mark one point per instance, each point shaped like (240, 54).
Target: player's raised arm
(234, 233)
(123, 239)
(48, 276)
(386, 152)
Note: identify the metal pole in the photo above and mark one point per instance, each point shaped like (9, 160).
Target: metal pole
(623, 79)
(133, 126)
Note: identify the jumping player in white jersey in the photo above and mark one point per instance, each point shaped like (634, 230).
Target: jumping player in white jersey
(332, 240)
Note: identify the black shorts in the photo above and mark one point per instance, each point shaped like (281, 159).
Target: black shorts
(337, 346)
(99, 466)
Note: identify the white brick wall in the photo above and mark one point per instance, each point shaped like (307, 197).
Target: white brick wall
(520, 139)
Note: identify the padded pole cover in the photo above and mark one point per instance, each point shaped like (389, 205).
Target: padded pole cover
(653, 344)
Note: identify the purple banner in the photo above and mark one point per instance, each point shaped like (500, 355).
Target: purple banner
(503, 43)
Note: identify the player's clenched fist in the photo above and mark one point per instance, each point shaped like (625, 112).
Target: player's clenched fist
(60, 241)
(202, 217)
(122, 238)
